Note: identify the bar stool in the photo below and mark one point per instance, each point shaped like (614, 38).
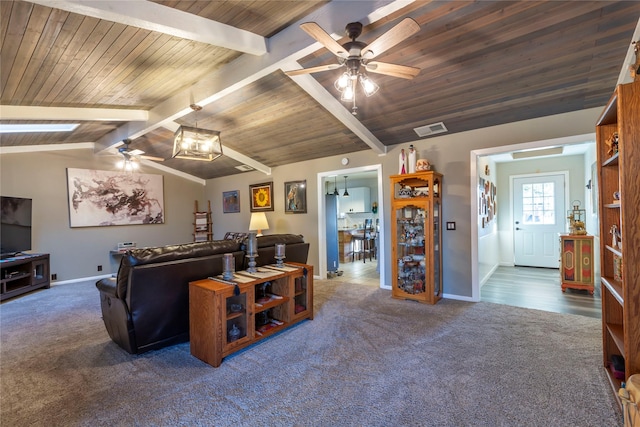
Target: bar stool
(369, 243)
(357, 239)
(364, 242)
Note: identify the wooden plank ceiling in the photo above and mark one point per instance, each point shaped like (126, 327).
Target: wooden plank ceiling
(482, 64)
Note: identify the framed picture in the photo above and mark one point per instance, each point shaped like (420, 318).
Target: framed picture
(296, 197)
(100, 198)
(261, 197)
(230, 201)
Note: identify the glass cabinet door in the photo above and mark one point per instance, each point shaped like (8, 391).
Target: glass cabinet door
(410, 249)
(236, 325)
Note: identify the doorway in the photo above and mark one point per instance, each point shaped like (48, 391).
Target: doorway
(538, 206)
(325, 183)
(503, 237)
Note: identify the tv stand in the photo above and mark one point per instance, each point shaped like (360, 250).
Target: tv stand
(11, 255)
(23, 273)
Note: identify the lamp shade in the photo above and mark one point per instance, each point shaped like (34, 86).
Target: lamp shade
(258, 222)
(196, 144)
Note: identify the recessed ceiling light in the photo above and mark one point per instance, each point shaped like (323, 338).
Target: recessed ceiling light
(536, 152)
(27, 128)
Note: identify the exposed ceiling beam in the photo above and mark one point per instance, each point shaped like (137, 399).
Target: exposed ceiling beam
(289, 45)
(246, 160)
(47, 147)
(156, 17)
(339, 111)
(22, 112)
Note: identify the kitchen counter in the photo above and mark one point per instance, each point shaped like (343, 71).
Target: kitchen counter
(345, 244)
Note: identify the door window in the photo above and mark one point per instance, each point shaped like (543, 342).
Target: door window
(538, 203)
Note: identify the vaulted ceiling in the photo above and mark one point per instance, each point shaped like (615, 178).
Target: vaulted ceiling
(131, 70)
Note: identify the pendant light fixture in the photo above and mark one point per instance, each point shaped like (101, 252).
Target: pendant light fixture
(335, 186)
(196, 144)
(346, 193)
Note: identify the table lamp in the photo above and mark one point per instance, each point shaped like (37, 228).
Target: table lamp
(258, 222)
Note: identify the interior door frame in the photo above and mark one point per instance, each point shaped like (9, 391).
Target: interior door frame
(322, 220)
(473, 196)
(566, 206)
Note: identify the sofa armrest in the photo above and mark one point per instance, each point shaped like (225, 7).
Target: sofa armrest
(107, 286)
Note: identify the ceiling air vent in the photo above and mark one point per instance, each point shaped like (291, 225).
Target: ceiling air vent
(431, 129)
(244, 168)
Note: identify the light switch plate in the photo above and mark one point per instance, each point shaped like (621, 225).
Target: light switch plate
(451, 225)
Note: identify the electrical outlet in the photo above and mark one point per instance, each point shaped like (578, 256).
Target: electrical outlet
(451, 225)
(54, 276)
(99, 268)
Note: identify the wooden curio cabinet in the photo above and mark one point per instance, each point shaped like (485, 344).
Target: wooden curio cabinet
(618, 150)
(416, 233)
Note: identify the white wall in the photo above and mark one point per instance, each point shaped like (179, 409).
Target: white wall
(488, 243)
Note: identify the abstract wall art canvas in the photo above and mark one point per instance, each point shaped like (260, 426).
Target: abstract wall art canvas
(102, 198)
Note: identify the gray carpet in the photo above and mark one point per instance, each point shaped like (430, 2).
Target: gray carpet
(366, 360)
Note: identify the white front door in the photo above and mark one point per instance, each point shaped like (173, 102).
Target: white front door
(538, 212)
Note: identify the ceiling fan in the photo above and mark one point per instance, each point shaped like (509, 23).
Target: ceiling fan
(131, 157)
(357, 56)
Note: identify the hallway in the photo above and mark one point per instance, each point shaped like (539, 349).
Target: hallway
(539, 288)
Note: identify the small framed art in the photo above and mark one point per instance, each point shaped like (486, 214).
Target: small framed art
(231, 201)
(296, 199)
(261, 197)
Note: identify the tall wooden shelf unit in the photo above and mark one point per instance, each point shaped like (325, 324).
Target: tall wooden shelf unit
(202, 230)
(416, 233)
(620, 264)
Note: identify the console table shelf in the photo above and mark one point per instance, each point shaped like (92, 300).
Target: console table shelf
(226, 316)
(22, 274)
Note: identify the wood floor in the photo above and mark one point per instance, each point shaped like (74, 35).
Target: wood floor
(539, 288)
(359, 272)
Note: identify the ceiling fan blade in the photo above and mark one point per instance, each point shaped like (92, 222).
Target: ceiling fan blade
(312, 69)
(402, 71)
(153, 158)
(320, 35)
(395, 35)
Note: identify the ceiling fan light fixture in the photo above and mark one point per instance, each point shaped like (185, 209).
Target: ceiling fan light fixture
(342, 82)
(348, 94)
(368, 86)
(128, 164)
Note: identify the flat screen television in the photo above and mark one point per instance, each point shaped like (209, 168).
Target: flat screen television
(15, 226)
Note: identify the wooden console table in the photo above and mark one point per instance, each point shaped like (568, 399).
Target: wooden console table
(226, 316)
(23, 273)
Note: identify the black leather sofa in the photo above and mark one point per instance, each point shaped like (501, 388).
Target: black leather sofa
(146, 306)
